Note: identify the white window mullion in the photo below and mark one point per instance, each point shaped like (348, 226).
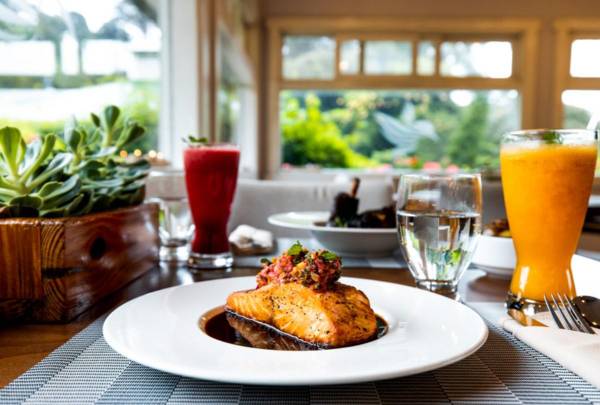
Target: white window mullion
(181, 99)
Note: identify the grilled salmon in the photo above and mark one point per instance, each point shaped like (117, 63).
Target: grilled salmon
(336, 317)
(263, 336)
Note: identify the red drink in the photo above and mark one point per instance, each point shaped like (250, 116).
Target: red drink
(211, 177)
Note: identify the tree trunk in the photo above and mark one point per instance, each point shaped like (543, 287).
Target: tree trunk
(80, 46)
(58, 71)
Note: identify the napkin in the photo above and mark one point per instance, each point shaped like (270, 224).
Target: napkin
(248, 240)
(576, 351)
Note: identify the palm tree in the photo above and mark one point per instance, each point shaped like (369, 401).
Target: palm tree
(79, 30)
(51, 28)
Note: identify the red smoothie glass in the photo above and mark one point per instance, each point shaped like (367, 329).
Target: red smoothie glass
(211, 172)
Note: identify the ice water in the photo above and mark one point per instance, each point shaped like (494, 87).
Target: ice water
(438, 245)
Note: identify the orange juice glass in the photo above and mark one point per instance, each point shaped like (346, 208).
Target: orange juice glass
(547, 178)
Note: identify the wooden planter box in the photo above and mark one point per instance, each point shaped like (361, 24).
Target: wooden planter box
(51, 270)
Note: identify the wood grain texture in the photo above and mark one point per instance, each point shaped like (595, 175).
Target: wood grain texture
(78, 261)
(53, 244)
(20, 264)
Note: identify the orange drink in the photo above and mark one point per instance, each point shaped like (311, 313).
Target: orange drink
(547, 178)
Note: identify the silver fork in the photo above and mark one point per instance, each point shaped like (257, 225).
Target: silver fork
(569, 315)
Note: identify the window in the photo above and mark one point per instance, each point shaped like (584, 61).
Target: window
(578, 75)
(578, 84)
(68, 58)
(426, 58)
(420, 94)
(483, 59)
(580, 108)
(308, 57)
(585, 58)
(350, 57)
(395, 128)
(388, 57)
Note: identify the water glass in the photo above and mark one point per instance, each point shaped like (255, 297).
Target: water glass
(439, 222)
(176, 228)
(167, 189)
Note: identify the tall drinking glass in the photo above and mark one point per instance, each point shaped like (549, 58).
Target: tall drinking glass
(439, 222)
(547, 178)
(211, 177)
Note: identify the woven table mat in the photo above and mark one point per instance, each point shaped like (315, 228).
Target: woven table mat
(86, 370)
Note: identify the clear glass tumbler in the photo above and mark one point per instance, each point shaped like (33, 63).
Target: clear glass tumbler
(547, 178)
(167, 189)
(439, 222)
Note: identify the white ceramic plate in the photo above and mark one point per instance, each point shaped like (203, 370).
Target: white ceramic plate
(495, 255)
(354, 242)
(426, 331)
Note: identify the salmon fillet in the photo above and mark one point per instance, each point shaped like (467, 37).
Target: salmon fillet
(261, 336)
(340, 316)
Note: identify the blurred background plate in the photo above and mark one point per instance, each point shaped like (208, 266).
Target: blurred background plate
(354, 242)
(495, 255)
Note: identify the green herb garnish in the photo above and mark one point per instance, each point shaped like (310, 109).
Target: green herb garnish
(552, 138)
(340, 223)
(265, 261)
(329, 256)
(195, 141)
(295, 249)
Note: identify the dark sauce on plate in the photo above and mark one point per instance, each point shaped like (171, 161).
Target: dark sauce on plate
(233, 328)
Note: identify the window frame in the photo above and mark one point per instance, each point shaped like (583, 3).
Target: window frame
(185, 65)
(190, 77)
(567, 30)
(521, 32)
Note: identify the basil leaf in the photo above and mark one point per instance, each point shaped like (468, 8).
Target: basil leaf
(295, 249)
(195, 141)
(552, 138)
(329, 256)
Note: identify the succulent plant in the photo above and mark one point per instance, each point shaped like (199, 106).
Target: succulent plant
(74, 174)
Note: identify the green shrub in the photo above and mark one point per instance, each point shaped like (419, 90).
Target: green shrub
(142, 106)
(310, 137)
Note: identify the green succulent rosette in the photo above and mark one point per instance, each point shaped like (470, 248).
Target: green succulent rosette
(75, 173)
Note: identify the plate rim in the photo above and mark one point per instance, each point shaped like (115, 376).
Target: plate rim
(273, 220)
(222, 376)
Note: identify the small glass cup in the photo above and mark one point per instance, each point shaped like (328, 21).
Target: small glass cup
(439, 223)
(167, 189)
(176, 229)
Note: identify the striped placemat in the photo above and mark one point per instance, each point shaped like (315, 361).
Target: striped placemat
(396, 261)
(504, 371)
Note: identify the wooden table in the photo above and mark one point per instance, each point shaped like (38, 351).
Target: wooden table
(24, 345)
